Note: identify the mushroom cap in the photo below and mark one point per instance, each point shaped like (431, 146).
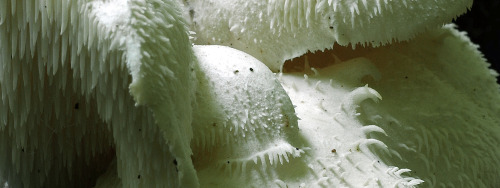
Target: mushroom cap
(278, 30)
(243, 119)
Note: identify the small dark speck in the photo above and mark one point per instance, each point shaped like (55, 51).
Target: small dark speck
(331, 27)
(77, 106)
(38, 171)
(406, 77)
(191, 13)
(296, 148)
(175, 163)
(139, 176)
(227, 162)
(334, 150)
(22, 149)
(140, 130)
(251, 69)
(214, 124)
(236, 71)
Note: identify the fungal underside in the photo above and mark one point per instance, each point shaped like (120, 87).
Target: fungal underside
(107, 90)
(66, 110)
(277, 30)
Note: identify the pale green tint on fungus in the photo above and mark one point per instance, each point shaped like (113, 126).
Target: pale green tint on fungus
(277, 30)
(113, 93)
(244, 121)
(435, 122)
(68, 69)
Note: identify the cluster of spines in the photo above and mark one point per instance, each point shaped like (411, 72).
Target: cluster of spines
(427, 147)
(251, 117)
(370, 144)
(277, 154)
(65, 100)
(340, 17)
(161, 61)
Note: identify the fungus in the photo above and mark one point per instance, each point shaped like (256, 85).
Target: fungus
(96, 52)
(277, 30)
(113, 93)
(427, 130)
(258, 121)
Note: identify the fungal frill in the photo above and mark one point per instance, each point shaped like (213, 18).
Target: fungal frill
(84, 83)
(134, 93)
(409, 111)
(278, 30)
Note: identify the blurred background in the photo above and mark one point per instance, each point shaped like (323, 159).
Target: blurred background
(482, 23)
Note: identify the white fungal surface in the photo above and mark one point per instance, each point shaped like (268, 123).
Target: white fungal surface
(277, 30)
(341, 152)
(66, 111)
(239, 95)
(112, 93)
(244, 120)
(439, 110)
(432, 128)
(353, 138)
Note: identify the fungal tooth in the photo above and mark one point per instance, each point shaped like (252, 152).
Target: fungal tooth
(372, 128)
(354, 99)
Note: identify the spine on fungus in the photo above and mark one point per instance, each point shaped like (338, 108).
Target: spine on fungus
(277, 154)
(64, 87)
(355, 97)
(46, 97)
(160, 58)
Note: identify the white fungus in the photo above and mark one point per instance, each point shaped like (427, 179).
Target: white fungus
(290, 28)
(113, 93)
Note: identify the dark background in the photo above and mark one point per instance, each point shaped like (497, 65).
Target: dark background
(482, 24)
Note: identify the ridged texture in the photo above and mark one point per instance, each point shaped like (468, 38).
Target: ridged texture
(48, 96)
(66, 115)
(161, 61)
(447, 129)
(340, 150)
(278, 30)
(437, 121)
(66, 111)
